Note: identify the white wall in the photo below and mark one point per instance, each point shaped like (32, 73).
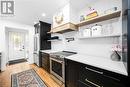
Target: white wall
(69, 15)
(100, 47)
(58, 45)
(66, 14)
(73, 14)
(4, 24)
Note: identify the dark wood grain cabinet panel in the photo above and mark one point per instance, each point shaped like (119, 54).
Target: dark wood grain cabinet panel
(42, 28)
(45, 60)
(112, 82)
(95, 77)
(71, 73)
(90, 77)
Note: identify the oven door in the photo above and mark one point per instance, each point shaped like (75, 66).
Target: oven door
(57, 69)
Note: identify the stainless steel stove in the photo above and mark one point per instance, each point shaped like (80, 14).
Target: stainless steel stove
(57, 65)
(61, 55)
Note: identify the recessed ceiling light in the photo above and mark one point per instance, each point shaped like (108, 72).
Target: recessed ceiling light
(35, 22)
(43, 14)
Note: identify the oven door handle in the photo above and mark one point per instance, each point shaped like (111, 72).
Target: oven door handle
(56, 60)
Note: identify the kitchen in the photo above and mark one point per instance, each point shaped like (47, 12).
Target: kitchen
(86, 44)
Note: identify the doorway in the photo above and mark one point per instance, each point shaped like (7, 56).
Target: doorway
(17, 45)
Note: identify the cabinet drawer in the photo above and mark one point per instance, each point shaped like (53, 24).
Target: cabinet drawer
(110, 82)
(91, 77)
(95, 77)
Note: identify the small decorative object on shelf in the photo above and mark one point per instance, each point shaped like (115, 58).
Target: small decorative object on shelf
(82, 18)
(116, 48)
(59, 18)
(93, 13)
(111, 10)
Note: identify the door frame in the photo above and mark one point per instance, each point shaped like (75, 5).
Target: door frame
(11, 29)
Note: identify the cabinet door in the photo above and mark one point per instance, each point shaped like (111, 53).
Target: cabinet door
(45, 62)
(71, 73)
(45, 45)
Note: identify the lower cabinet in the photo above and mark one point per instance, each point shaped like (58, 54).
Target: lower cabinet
(45, 61)
(82, 75)
(71, 73)
(94, 77)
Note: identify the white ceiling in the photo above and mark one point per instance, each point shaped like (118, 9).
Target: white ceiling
(29, 11)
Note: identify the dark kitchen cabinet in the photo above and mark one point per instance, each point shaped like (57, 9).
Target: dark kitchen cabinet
(40, 40)
(110, 82)
(42, 28)
(126, 34)
(90, 77)
(95, 77)
(45, 61)
(82, 75)
(71, 73)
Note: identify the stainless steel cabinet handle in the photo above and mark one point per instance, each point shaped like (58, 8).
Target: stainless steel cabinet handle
(94, 70)
(92, 83)
(61, 62)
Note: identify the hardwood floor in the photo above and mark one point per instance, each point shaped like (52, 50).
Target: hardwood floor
(5, 77)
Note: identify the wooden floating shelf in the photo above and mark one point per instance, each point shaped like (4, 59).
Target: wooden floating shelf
(100, 18)
(64, 28)
(73, 27)
(105, 36)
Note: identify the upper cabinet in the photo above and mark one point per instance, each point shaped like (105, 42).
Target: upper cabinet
(41, 29)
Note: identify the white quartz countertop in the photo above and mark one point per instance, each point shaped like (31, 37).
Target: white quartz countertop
(114, 66)
(48, 51)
